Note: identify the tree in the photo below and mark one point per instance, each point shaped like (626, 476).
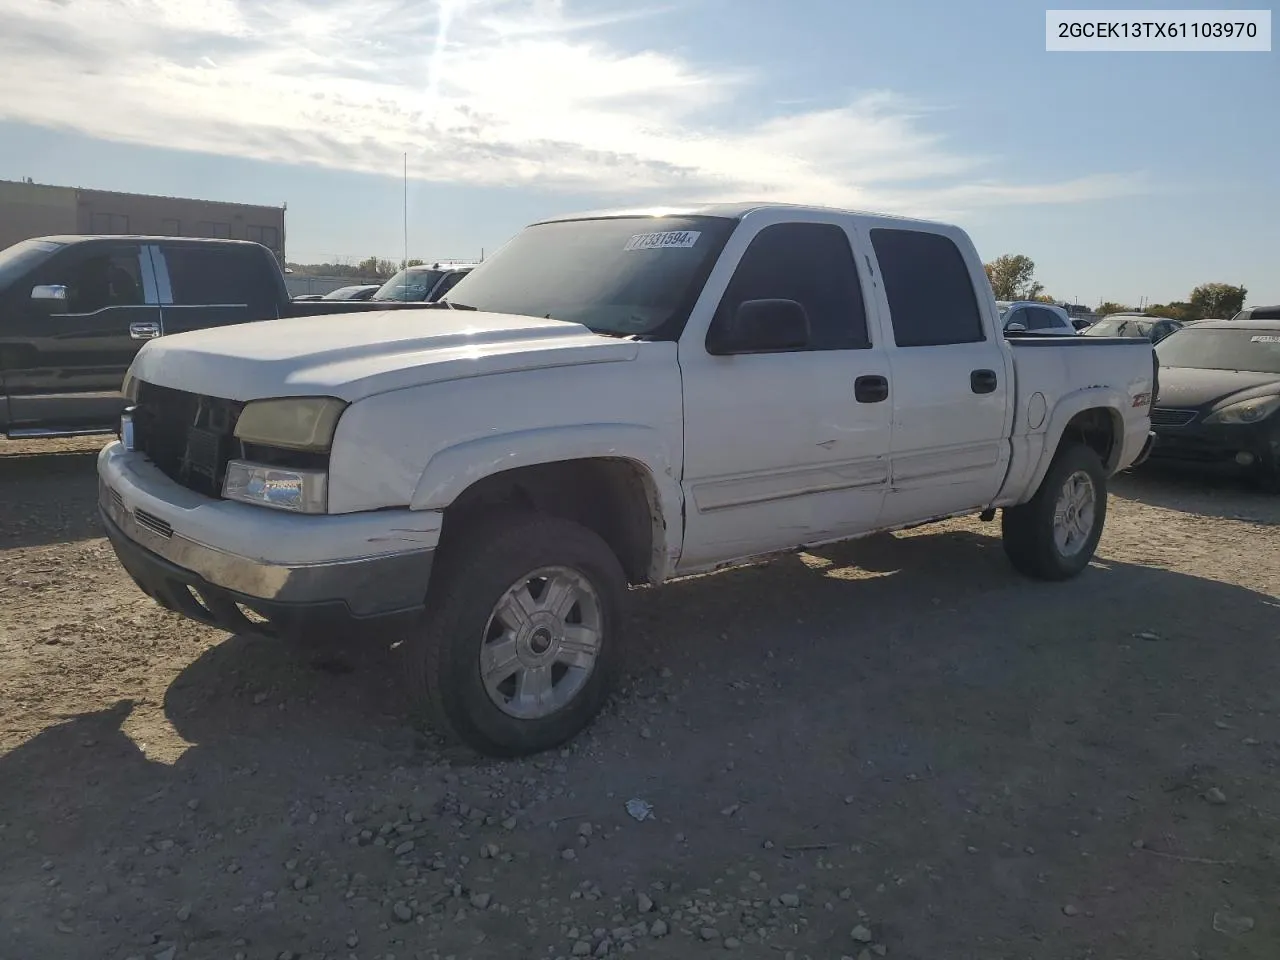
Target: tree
(1012, 277)
(1107, 308)
(1221, 300)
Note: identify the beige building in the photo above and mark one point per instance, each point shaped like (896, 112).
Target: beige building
(38, 210)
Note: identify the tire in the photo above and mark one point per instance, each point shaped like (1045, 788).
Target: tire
(500, 588)
(1031, 536)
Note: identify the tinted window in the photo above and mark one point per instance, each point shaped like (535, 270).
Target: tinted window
(931, 296)
(1042, 319)
(97, 277)
(447, 284)
(627, 276)
(203, 276)
(812, 264)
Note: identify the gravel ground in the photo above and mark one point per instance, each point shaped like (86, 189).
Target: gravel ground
(890, 748)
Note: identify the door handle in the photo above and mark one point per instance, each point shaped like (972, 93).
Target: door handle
(983, 381)
(144, 331)
(873, 389)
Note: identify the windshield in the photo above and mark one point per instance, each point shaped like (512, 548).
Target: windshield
(1253, 350)
(412, 284)
(622, 276)
(1120, 327)
(21, 257)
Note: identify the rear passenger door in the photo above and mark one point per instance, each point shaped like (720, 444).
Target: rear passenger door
(789, 447)
(211, 285)
(951, 386)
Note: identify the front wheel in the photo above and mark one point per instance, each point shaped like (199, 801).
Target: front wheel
(1053, 536)
(519, 645)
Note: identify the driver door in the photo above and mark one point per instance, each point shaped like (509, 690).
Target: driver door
(68, 346)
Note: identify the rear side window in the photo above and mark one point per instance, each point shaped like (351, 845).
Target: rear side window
(223, 276)
(1042, 319)
(811, 263)
(930, 294)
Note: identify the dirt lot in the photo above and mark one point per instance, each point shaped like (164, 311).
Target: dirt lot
(894, 748)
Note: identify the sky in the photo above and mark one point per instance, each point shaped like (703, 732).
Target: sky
(1123, 175)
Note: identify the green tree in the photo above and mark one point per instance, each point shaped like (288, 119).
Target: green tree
(1012, 277)
(1221, 300)
(1109, 307)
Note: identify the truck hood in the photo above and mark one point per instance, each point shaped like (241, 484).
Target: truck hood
(353, 356)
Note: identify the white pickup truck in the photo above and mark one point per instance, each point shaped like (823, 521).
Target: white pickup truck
(610, 399)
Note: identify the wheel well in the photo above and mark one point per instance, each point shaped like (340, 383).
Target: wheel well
(1095, 429)
(613, 497)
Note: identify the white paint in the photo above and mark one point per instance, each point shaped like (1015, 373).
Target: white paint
(742, 455)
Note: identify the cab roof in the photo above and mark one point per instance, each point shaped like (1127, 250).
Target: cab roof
(731, 211)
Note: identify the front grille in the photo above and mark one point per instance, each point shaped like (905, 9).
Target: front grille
(1170, 417)
(188, 436)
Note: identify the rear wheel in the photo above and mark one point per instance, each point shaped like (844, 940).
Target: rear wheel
(1054, 535)
(519, 645)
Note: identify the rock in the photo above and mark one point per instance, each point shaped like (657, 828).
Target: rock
(643, 903)
(1215, 796)
(879, 949)
(481, 901)
(184, 913)
(168, 953)
(708, 933)
(861, 934)
(406, 847)
(646, 733)
(1138, 844)
(1232, 926)
(658, 928)
(582, 949)
(846, 894)
(1071, 910)
(568, 854)
(732, 943)
(403, 912)
(585, 830)
(301, 883)
(789, 900)
(509, 823)
(193, 804)
(730, 810)
(353, 939)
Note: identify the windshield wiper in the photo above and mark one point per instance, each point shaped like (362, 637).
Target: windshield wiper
(454, 305)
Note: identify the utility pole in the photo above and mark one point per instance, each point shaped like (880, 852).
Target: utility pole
(405, 265)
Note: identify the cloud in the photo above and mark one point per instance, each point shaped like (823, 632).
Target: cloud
(489, 92)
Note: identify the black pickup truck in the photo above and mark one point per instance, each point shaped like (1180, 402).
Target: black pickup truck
(74, 311)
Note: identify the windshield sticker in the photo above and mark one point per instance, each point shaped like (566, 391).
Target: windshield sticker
(1264, 339)
(663, 241)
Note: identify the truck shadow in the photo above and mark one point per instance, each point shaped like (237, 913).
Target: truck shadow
(848, 670)
(47, 497)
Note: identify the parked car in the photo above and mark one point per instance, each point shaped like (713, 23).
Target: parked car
(1034, 317)
(611, 399)
(360, 291)
(1219, 399)
(1154, 329)
(1258, 313)
(74, 310)
(423, 284)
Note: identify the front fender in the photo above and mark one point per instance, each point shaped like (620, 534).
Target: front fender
(453, 469)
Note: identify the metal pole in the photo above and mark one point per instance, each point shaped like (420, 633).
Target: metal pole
(406, 212)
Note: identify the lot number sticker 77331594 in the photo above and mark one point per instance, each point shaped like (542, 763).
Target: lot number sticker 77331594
(664, 240)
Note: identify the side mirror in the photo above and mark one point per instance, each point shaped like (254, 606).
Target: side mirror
(50, 291)
(1015, 327)
(761, 326)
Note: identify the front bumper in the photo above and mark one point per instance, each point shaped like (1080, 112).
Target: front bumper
(251, 569)
(1256, 443)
